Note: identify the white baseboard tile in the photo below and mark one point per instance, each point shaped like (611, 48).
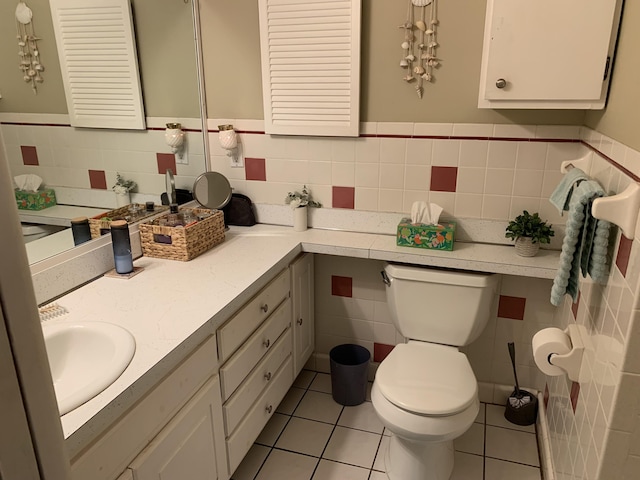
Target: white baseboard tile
(544, 444)
(485, 392)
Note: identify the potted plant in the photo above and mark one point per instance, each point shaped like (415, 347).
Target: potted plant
(528, 231)
(123, 188)
(299, 201)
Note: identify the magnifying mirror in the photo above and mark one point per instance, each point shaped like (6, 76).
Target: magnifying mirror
(212, 190)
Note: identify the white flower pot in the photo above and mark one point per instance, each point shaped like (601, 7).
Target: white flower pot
(526, 248)
(300, 219)
(123, 199)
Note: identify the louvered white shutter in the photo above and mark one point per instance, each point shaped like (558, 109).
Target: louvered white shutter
(310, 66)
(99, 65)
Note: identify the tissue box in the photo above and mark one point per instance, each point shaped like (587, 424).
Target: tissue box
(43, 198)
(420, 235)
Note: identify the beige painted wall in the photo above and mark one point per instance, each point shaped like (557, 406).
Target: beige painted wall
(620, 119)
(234, 85)
(164, 35)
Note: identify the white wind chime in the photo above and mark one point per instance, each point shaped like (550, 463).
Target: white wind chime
(27, 47)
(419, 49)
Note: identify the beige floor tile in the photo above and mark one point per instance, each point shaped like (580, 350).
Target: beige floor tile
(378, 464)
(318, 406)
(467, 467)
(305, 436)
(378, 476)
(272, 429)
(251, 463)
(354, 447)
(472, 441)
(511, 445)
(500, 470)
(290, 401)
(328, 470)
(305, 378)
(322, 383)
(362, 417)
(287, 465)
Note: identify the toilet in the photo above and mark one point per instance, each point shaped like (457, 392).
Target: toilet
(425, 391)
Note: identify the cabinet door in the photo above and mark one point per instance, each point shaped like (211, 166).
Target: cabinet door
(303, 319)
(546, 51)
(186, 447)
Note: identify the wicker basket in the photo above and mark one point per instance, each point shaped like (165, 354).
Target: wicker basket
(183, 243)
(101, 224)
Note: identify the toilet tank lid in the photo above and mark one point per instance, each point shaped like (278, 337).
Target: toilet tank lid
(442, 276)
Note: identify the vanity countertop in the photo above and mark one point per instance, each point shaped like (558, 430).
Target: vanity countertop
(171, 306)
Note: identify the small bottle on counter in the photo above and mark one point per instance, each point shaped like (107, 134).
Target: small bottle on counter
(149, 206)
(80, 230)
(121, 246)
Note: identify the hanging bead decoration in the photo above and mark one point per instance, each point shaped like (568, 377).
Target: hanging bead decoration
(28, 48)
(419, 57)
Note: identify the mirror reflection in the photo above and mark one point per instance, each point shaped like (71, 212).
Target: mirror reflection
(81, 167)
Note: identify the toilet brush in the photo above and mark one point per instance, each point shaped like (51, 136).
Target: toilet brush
(522, 406)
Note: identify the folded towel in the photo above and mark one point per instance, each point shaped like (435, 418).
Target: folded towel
(584, 248)
(562, 194)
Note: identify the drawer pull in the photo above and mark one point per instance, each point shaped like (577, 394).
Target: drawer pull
(269, 409)
(266, 343)
(267, 376)
(264, 308)
(299, 321)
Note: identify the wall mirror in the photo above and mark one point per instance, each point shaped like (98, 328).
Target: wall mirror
(81, 164)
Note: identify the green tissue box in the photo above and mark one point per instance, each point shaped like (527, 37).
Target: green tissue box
(420, 235)
(43, 198)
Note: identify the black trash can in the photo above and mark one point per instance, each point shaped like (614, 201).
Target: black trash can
(349, 369)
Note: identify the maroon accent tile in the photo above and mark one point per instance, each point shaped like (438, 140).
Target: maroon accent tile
(575, 306)
(545, 397)
(575, 393)
(29, 155)
(511, 307)
(624, 252)
(380, 351)
(341, 286)
(98, 179)
(444, 179)
(166, 161)
(343, 197)
(255, 169)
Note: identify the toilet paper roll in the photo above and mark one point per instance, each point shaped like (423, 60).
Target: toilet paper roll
(547, 342)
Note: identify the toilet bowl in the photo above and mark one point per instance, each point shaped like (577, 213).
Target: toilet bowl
(425, 392)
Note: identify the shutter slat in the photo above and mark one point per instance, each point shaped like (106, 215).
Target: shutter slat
(97, 54)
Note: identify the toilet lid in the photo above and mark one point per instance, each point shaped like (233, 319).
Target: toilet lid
(427, 378)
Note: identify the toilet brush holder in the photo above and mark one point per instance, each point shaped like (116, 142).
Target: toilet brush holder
(520, 413)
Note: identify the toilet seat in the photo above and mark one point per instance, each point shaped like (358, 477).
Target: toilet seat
(428, 379)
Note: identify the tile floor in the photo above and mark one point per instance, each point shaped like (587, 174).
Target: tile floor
(312, 437)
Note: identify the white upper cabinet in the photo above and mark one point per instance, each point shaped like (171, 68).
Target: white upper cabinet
(310, 66)
(547, 53)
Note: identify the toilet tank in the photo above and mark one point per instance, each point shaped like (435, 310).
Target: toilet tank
(450, 307)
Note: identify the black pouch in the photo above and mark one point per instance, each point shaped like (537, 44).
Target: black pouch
(239, 211)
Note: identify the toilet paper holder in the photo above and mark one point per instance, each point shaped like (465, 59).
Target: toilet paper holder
(571, 361)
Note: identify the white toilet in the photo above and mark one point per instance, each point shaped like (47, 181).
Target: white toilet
(425, 392)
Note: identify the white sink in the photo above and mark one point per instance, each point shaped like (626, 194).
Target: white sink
(85, 358)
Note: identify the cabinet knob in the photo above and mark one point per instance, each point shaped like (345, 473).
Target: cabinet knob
(264, 308)
(267, 376)
(269, 409)
(501, 83)
(266, 343)
(299, 322)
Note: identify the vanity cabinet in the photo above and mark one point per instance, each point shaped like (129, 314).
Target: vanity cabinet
(548, 54)
(302, 295)
(155, 436)
(255, 348)
(186, 447)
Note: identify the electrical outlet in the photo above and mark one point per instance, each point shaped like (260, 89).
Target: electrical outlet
(184, 160)
(237, 160)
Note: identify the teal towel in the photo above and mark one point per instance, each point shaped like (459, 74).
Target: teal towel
(584, 248)
(562, 194)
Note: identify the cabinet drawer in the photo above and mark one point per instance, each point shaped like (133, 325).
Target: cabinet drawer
(239, 443)
(236, 369)
(237, 329)
(257, 381)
